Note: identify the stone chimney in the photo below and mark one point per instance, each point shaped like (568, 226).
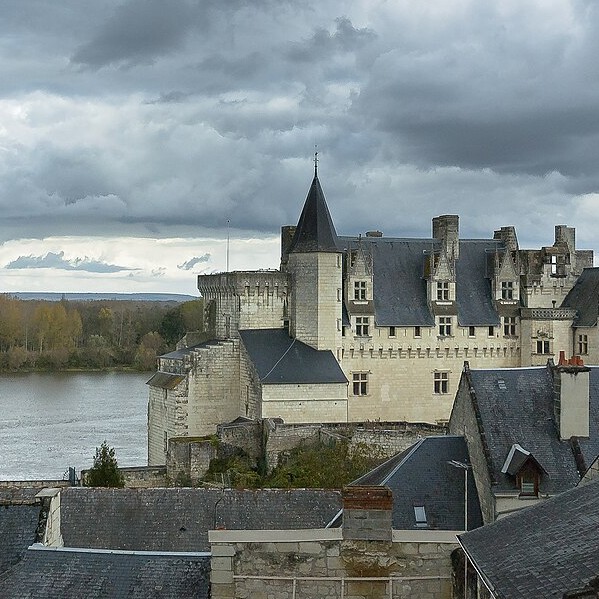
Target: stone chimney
(571, 397)
(446, 229)
(567, 235)
(367, 513)
(508, 236)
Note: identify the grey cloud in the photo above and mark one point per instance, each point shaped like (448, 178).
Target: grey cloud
(189, 264)
(58, 261)
(322, 44)
(138, 32)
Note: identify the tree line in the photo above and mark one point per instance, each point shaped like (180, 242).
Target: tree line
(39, 334)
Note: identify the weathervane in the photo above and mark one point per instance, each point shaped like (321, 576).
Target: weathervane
(315, 160)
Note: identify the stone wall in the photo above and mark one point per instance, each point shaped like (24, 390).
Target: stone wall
(188, 459)
(313, 564)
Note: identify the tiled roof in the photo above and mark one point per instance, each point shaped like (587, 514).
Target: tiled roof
(520, 410)
(584, 297)
(60, 574)
(400, 297)
(421, 476)
(178, 519)
(18, 525)
(280, 359)
(315, 231)
(542, 551)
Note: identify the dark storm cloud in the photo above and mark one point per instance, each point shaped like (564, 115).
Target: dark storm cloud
(58, 261)
(137, 33)
(172, 117)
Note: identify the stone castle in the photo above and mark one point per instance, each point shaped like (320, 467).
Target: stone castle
(352, 329)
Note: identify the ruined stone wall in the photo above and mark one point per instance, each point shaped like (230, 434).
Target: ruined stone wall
(318, 563)
(249, 386)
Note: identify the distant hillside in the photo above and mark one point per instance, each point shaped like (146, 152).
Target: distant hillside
(138, 297)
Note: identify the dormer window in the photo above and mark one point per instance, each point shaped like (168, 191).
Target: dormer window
(525, 469)
(443, 291)
(507, 290)
(360, 290)
(420, 516)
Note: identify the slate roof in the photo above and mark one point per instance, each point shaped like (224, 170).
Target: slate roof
(315, 231)
(473, 288)
(541, 551)
(165, 380)
(399, 286)
(179, 354)
(65, 574)
(584, 297)
(521, 411)
(178, 519)
(18, 525)
(421, 476)
(279, 359)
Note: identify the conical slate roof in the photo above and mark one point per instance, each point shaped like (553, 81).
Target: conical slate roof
(315, 231)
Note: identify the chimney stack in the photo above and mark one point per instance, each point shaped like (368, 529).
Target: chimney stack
(571, 397)
(367, 513)
(446, 229)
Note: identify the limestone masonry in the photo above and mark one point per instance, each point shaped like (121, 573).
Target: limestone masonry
(352, 329)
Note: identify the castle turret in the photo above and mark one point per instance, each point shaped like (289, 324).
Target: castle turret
(315, 265)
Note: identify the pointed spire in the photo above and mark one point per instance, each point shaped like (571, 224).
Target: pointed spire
(315, 231)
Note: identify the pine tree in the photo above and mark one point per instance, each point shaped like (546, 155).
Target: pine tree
(105, 471)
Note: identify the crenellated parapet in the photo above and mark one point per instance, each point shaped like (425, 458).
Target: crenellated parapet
(244, 300)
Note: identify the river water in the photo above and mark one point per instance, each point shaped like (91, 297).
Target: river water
(50, 421)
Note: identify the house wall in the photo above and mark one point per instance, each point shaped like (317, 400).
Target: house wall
(305, 403)
(167, 417)
(401, 369)
(546, 324)
(213, 387)
(265, 564)
(592, 339)
(464, 421)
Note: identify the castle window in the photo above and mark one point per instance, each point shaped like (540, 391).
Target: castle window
(509, 326)
(362, 326)
(165, 442)
(507, 290)
(491, 331)
(441, 383)
(583, 345)
(338, 295)
(391, 331)
(417, 332)
(360, 381)
(543, 347)
(471, 332)
(443, 291)
(353, 254)
(445, 326)
(360, 290)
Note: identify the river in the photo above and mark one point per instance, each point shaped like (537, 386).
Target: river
(50, 421)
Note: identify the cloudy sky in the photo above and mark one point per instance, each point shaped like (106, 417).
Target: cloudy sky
(133, 131)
